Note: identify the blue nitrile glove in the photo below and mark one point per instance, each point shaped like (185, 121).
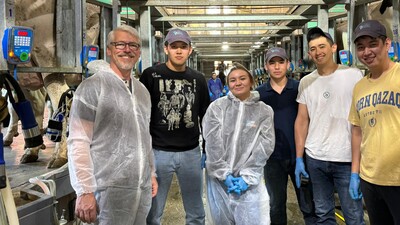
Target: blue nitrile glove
(354, 187)
(203, 160)
(300, 170)
(229, 183)
(242, 186)
(211, 94)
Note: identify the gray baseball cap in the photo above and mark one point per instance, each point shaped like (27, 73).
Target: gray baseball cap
(372, 28)
(275, 52)
(177, 34)
(317, 30)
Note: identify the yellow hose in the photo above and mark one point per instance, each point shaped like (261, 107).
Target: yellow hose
(11, 210)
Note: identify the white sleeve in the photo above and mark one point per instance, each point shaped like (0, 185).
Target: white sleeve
(80, 162)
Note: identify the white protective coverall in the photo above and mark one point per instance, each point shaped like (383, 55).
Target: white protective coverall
(109, 147)
(239, 139)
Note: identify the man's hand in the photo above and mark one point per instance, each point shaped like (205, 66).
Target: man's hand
(300, 170)
(354, 187)
(154, 186)
(86, 208)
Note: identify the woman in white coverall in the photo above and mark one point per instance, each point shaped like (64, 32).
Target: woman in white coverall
(239, 134)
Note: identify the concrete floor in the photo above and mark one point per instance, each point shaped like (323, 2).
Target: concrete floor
(174, 213)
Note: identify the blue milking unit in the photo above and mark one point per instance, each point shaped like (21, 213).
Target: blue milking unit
(345, 57)
(17, 44)
(17, 47)
(88, 54)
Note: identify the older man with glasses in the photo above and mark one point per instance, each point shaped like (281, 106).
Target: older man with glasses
(110, 157)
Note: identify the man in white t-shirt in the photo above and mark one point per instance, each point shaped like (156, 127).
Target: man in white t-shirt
(322, 131)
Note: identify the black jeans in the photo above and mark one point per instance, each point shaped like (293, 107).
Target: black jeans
(276, 174)
(382, 202)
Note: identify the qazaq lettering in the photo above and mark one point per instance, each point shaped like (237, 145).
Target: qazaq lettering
(379, 98)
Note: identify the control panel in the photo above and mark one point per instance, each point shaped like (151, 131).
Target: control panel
(345, 57)
(89, 53)
(17, 44)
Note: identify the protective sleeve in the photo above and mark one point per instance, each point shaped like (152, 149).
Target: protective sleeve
(212, 132)
(80, 136)
(262, 148)
(150, 155)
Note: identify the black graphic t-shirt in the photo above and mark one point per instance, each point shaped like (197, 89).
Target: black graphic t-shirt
(179, 102)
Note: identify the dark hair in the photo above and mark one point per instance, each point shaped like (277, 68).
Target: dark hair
(317, 35)
(383, 38)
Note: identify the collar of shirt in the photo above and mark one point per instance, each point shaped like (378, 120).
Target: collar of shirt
(289, 85)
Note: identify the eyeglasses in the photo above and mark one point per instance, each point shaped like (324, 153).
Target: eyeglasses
(121, 45)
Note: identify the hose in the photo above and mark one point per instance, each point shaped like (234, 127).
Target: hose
(49, 188)
(9, 204)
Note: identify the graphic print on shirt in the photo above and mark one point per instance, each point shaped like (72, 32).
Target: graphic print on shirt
(373, 104)
(176, 102)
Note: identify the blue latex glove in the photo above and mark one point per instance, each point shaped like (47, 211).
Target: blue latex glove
(300, 170)
(241, 185)
(229, 183)
(354, 187)
(203, 160)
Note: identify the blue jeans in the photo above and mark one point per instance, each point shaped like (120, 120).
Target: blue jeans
(327, 177)
(276, 174)
(187, 167)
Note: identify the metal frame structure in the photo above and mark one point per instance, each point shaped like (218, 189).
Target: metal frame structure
(247, 40)
(70, 34)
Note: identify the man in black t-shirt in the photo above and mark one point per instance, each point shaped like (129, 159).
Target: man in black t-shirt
(180, 99)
